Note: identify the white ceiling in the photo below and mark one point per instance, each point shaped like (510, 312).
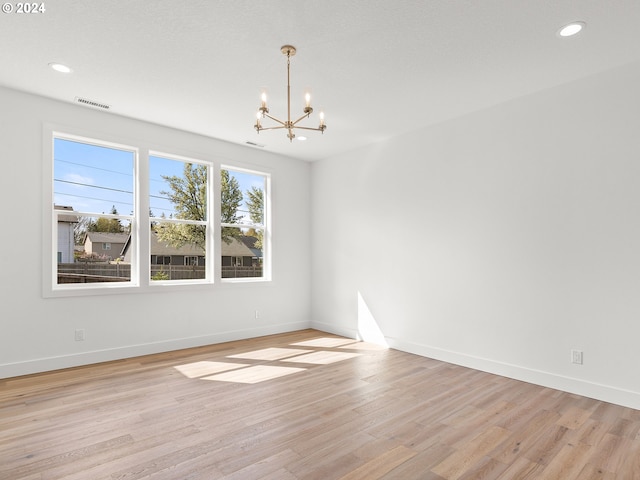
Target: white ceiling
(377, 68)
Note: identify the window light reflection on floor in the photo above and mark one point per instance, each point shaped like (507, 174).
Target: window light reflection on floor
(313, 354)
(322, 358)
(255, 374)
(200, 369)
(270, 354)
(326, 342)
(364, 346)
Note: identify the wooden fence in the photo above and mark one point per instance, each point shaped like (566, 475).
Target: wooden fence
(93, 272)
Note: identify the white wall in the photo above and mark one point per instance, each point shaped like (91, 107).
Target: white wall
(500, 240)
(37, 333)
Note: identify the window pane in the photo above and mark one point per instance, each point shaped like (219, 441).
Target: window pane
(243, 218)
(178, 260)
(92, 178)
(177, 189)
(242, 197)
(86, 255)
(242, 255)
(93, 206)
(178, 210)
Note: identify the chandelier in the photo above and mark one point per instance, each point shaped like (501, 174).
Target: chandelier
(288, 124)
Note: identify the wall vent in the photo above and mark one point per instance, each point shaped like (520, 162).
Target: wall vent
(254, 144)
(92, 103)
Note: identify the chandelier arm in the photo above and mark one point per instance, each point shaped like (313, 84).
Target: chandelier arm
(317, 129)
(273, 128)
(306, 115)
(274, 119)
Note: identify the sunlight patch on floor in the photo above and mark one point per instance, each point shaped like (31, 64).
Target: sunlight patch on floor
(269, 354)
(313, 354)
(327, 342)
(255, 374)
(365, 346)
(322, 358)
(200, 369)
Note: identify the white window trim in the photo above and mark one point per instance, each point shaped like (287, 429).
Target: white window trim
(209, 223)
(266, 227)
(139, 221)
(50, 286)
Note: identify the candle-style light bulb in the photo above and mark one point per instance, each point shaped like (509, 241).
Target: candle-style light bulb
(263, 97)
(258, 115)
(307, 99)
(321, 119)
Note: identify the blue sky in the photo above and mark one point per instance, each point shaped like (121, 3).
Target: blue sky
(93, 178)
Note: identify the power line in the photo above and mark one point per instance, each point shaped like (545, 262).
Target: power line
(95, 168)
(92, 186)
(129, 204)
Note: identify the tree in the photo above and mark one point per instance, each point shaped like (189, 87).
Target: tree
(107, 225)
(189, 197)
(80, 229)
(255, 204)
(231, 198)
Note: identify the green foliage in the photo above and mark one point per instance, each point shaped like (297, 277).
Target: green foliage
(255, 204)
(108, 225)
(189, 192)
(105, 225)
(231, 198)
(189, 196)
(161, 275)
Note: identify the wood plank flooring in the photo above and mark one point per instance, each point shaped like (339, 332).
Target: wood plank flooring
(304, 405)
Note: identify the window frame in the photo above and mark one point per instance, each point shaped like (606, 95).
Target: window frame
(209, 223)
(51, 287)
(140, 220)
(265, 227)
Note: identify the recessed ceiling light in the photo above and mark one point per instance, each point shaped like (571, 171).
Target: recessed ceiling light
(301, 138)
(571, 29)
(59, 67)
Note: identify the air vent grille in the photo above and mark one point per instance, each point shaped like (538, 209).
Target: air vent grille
(92, 103)
(254, 144)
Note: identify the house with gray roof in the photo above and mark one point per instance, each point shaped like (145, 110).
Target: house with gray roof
(239, 252)
(108, 245)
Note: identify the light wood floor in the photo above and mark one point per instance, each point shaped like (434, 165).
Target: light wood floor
(304, 405)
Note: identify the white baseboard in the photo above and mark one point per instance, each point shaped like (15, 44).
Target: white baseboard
(606, 393)
(577, 386)
(39, 365)
(598, 391)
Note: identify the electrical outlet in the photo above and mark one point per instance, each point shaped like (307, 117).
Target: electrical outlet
(79, 334)
(576, 357)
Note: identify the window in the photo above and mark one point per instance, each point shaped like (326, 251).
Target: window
(191, 261)
(160, 260)
(127, 217)
(178, 210)
(93, 209)
(244, 236)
